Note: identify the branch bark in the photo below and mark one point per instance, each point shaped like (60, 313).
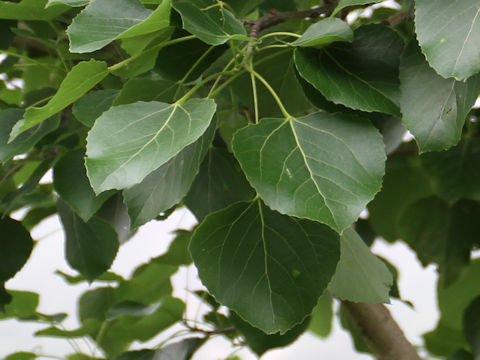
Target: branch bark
(381, 332)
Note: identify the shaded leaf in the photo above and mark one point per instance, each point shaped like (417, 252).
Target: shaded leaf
(177, 253)
(322, 316)
(323, 167)
(88, 327)
(83, 76)
(24, 142)
(16, 244)
(145, 89)
(166, 186)
(471, 325)
(72, 3)
(362, 75)
(71, 183)
(146, 136)
(441, 233)
(342, 4)
(360, 275)
(260, 342)
(20, 303)
(434, 109)
(209, 21)
(115, 213)
(89, 107)
(460, 355)
(90, 246)
(182, 350)
(266, 261)
(451, 47)
(219, 184)
(404, 183)
(454, 299)
(444, 340)
(29, 10)
(455, 173)
(89, 31)
(325, 32)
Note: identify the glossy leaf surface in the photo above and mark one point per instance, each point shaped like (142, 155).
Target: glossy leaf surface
(166, 186)
(209, 21)
(128, 142)
(370, 84)
(451, 47)
(83, 76)
(317, 167)
(325, 32)
(434, 109)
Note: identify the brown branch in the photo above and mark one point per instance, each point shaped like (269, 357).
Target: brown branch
(382, 333)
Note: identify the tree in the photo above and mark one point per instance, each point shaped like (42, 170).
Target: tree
(276, 123)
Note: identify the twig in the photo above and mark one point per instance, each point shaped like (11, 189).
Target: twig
(382, 333)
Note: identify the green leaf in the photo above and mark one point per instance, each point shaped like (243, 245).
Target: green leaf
(471, 325)
(444, 340)
(266, 262)
(137, 355)
(362, 75)
(72, 3)
(88, 327)
(455, 173)
(89, 31)
(21, 356)
(22, 304)
(148, 285)
(460, 355)
(145, 89)
(243, 7)
(83, 76)
(29, 10)
(278, 69)
(325, 32)
(71, 183)
(5, 298)
(449, 46)
(177, 253)
(123, 330)
(441, 233)
(158, 20)
(434, 109)
(182, 350)
(260, 342)
(219, 184)
(405, 182)
(166, 186)
(322, 316)
(89, 107)
(342, 4)
(16, 245)
(176, 61)
(323, 167)
(453, 300)
(115, 213)
(360, 275)
(90, 247)
(24, 142)
(77, 279)
(146, 136)
(209, 21)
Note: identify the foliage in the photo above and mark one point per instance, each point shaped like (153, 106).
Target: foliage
(275, 128)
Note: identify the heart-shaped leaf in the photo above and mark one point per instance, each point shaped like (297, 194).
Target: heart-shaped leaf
(128, 142)
(265, 262)
(323, 167)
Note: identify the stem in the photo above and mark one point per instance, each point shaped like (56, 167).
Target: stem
(382, 333)
(212, 94)
(254, 89)
(192, 68)
(199, 85)
(280, 33)
(151, 50)
(217, 80)
(274, 94)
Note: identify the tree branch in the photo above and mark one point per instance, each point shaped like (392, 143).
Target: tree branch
(381, 332)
